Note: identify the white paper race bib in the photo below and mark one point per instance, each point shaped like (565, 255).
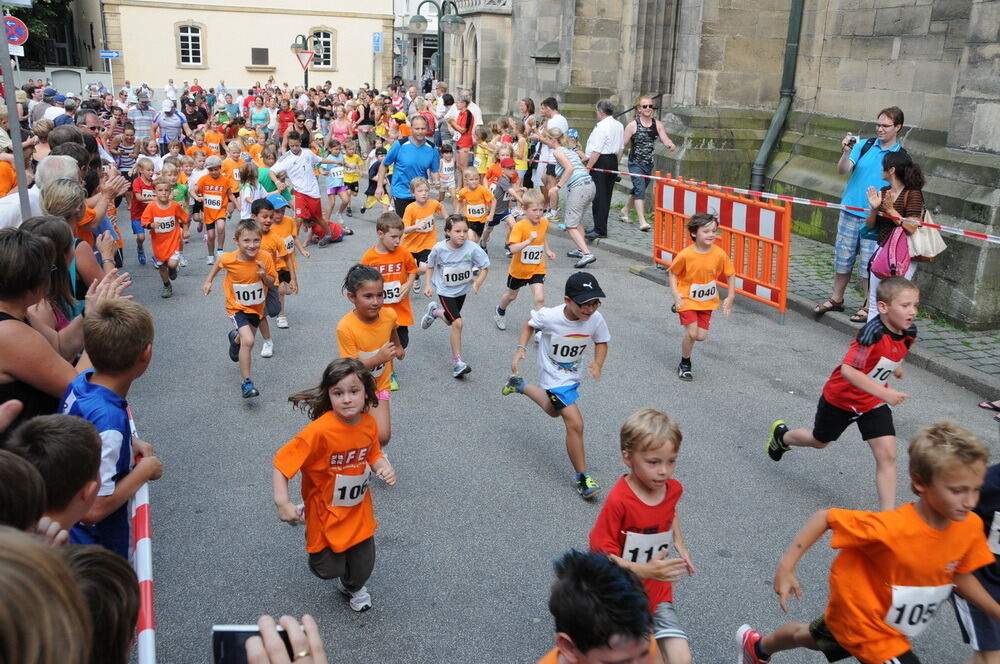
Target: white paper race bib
(163, 224)
(994, 538)
(349, 490)
(456, 276)
(882, 372)
(249, 293)
(289, 243)
(475, 211)
(236, 174)
(376, 371)
(425, 225)
(563, 350)
(703, 292)
(337, 172)
(392, 292)
(213, 201)
(477, 162)
(532, 254)
(642, 548)
(146, 195)
(913, 607)
(447, 170)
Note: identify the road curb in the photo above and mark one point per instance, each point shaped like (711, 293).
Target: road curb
(981, 383)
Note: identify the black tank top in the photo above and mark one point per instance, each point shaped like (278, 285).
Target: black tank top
(643, 141)
(366, 115)
(35, 401)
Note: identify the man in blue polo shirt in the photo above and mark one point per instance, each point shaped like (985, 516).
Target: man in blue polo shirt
(863, 160)
(414, 159)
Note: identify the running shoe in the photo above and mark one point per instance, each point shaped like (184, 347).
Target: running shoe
(748, 638)
(218, 254)
(416, 285)
(267, 348)
(587, 487)
(325, 241)
(167, 291)
(393, 383)
(499, 319)
(142, 256)
(283, 322)
(350, 212)
(172, 273)
(460, 369)
(248, 389)
(561, 226)
(506, 250)
(775, 442)
(514, 384)
(210, 260)
(429, 317)
(574, 253)
(360, 600)
(585, 260)
(684, 372)
(183, 262)
(234, 345)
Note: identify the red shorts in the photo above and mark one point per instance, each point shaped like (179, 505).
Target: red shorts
(703, 318)
(307, 207)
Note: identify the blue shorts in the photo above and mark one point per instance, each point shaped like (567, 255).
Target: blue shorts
(560, 397)
(137, 228)
(850, 243)
(639, 184)
(978, 629)
(498, 219)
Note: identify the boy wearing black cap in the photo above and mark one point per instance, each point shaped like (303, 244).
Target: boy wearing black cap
(565, 332)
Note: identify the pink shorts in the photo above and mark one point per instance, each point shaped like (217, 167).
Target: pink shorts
(336, 190)
(703, 318)
(384, 395)
(307, 207)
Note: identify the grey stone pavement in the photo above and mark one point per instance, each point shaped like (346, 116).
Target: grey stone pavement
(484, 501)
(969, 358)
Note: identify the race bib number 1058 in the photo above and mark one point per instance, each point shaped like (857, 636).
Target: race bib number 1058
(913, 607)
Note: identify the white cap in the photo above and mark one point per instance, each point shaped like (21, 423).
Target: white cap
(167, 105)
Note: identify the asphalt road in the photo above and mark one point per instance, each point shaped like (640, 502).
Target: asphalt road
(485, 500)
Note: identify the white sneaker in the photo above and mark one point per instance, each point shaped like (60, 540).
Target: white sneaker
(460, 369)
(210, 260)
(183, 262)
(585, 260)
(283, 322)
(428, 318)
(267, 348)
(360, 600)
(501, 321)
(218, 253)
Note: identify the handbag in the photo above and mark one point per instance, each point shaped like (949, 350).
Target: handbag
(926, 242)
(893, 258)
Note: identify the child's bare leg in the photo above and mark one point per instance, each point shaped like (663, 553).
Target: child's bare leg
(538, 291)
(383, 422)
(247, 334)
(265, 329)
(675, 650)
(210, 241)
(573, 420)
(884, 449)
(507, 298)
(692, 333)
(539, 396)
(986, 657)
(220, 234)
(164, 273)
(802, 437)
(788, 637)
(345, 200)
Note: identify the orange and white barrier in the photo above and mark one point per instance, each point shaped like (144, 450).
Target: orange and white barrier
(142, 562)
(755, 234)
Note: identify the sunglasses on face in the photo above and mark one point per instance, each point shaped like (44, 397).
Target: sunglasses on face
(646, 106)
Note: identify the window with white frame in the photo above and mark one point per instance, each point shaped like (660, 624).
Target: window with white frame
(324, 43)
(189, 45)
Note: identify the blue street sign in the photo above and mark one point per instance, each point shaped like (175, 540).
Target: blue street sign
(111, 54)
(376, 42)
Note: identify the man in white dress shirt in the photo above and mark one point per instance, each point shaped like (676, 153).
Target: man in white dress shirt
(604, 149)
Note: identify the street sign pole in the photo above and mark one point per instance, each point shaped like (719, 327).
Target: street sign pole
(376, 50)
(15, 131)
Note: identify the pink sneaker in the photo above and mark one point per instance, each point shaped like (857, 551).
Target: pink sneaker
(748, 638)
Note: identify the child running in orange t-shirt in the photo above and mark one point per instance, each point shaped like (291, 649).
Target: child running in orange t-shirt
(249, 274)
(164, 218)
(336, 453)
(419, 229)
(694, 276)
(213, 192)
(273, 244)
(476, 201)
(529, 247)
(895, 569)
(398, 271)
(286, 229)
(369, 334)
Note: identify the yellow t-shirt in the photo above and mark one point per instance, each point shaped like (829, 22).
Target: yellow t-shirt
(353, 164)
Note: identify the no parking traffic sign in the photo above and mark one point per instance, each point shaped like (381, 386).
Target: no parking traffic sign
(16, 30)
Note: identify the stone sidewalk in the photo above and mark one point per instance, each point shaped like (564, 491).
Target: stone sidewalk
(970, 359)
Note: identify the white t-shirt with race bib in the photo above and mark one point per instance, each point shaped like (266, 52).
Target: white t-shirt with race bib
(453, 268)
(564, 344)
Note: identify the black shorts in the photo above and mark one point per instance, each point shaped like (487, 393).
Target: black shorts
(514, 283)
(498, 219)
(477, 226)
(400, 205)
(831, 421)
(550, 169)
(284, 277)
(834, 652)
(241, 318)
(421, 256)
(452, 307)
(197, 207)
(210, 226)
(353, 186)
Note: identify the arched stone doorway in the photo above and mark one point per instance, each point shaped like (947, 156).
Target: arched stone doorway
(470, 60)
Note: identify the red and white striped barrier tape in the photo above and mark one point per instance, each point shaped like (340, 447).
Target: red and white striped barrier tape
(142, 562)
(986, 237)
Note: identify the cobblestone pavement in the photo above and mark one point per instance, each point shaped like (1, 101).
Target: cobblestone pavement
(810, 278)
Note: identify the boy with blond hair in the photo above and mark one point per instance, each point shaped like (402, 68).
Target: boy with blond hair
(118, 338)
(895, 569)
(638, 525)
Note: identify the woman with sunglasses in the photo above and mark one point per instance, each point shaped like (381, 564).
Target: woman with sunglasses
(641, 135)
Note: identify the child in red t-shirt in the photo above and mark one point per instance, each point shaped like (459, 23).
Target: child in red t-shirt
(858, 390)
(143, 194)
(337, 453)
(896, 569)
(638, 524)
